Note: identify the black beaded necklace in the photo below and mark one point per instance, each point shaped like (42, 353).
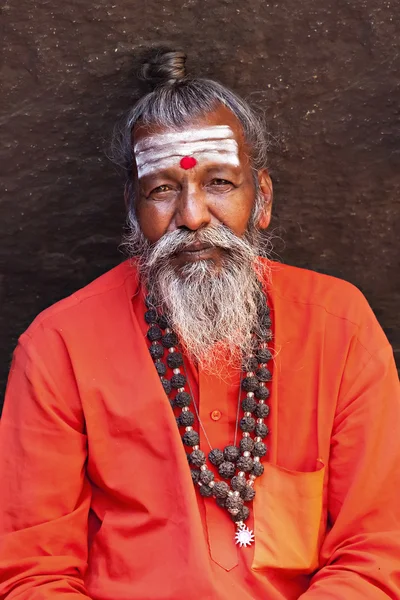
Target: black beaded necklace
(239, 464)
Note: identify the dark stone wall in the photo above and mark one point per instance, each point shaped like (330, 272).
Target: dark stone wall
(325, 73)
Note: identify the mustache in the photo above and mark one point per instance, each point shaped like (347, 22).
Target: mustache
(216, 236)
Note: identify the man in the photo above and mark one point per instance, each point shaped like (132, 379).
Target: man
(278, 381)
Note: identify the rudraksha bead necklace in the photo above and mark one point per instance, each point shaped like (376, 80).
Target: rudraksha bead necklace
(239, 465)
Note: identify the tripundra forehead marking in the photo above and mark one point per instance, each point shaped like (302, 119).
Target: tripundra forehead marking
(186, 148)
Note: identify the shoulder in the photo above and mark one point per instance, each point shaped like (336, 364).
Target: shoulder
(310, 293)
(108, 292)
(305, 286)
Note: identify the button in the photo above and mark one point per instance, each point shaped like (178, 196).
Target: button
(216, 415)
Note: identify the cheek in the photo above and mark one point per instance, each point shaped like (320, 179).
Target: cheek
(153, 220)
(236, 212)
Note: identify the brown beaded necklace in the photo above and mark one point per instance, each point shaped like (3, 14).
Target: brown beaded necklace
(240, 465)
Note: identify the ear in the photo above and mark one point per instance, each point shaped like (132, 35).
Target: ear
(265, 189)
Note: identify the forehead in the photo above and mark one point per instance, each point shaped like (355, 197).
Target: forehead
(220, 124)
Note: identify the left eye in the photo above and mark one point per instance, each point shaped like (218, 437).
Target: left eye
(221, 182)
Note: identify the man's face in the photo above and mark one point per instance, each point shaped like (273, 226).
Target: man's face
(192, 178)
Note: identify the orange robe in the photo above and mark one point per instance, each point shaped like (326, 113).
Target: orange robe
(96, 495)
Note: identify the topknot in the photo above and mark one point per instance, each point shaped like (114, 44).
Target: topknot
(163, 66)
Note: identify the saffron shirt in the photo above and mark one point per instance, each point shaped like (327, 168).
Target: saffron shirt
(96, 495)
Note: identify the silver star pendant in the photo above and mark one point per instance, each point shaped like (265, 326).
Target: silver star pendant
(244, 536)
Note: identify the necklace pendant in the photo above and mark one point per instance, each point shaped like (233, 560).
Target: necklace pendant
(244, 536)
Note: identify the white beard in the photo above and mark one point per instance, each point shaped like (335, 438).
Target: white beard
(214, 311)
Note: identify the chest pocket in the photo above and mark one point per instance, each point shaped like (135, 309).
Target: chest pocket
(288, 517)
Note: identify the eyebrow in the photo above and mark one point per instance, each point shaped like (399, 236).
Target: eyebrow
(166, 171)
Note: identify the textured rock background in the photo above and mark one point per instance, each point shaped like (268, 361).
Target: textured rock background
(326, 74)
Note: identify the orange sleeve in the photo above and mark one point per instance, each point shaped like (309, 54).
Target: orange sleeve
(360, 556)
(45, 496)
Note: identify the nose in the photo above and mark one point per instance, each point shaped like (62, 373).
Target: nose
(192, 211)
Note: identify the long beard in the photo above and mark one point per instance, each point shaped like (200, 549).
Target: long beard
(213, 309)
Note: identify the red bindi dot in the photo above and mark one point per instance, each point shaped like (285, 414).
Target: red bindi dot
(188, 162)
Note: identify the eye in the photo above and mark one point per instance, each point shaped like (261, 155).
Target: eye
(221, 182)
(160, 192)
(160, 189)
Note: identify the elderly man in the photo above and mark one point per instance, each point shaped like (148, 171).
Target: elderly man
(201, 422)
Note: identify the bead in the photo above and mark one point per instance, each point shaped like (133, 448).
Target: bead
(169, 340)
(186, 418)
(220, 501)
(261, 392)
(231, 453)
(246, 444)
(238, 483)
(156, 351)
(221, 489)
(190, 438)
(150, 302)
(206, 477)
(247, 424)
(249, 404)
(161, 368)
(250, 363)
(258, 469)
(150, 316)
(242, 515)
(216, 457)
(178, 380)
(260, 449)
(163, 322)
(233, 504)
(263, 374)
(262, 411)
(263, 355)
(245, 463)
(247, 494)
(182, 399)
(154, 333)
(174, 360)
(205, 491)
(166, 385)
(195, 475)
(249, 384)
(226, 469)
(261, 430)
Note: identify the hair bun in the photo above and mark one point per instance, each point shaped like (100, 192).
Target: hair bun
(162, 66)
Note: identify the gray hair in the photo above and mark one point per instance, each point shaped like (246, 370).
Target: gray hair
(174, 100)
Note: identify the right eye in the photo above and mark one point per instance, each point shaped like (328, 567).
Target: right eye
(161, 189)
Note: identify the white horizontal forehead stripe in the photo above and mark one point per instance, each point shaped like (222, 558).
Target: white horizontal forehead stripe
(219, 132)
(168, 162)
(189, 149)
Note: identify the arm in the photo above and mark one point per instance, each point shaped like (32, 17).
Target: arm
(360, 555)
(45, 496)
